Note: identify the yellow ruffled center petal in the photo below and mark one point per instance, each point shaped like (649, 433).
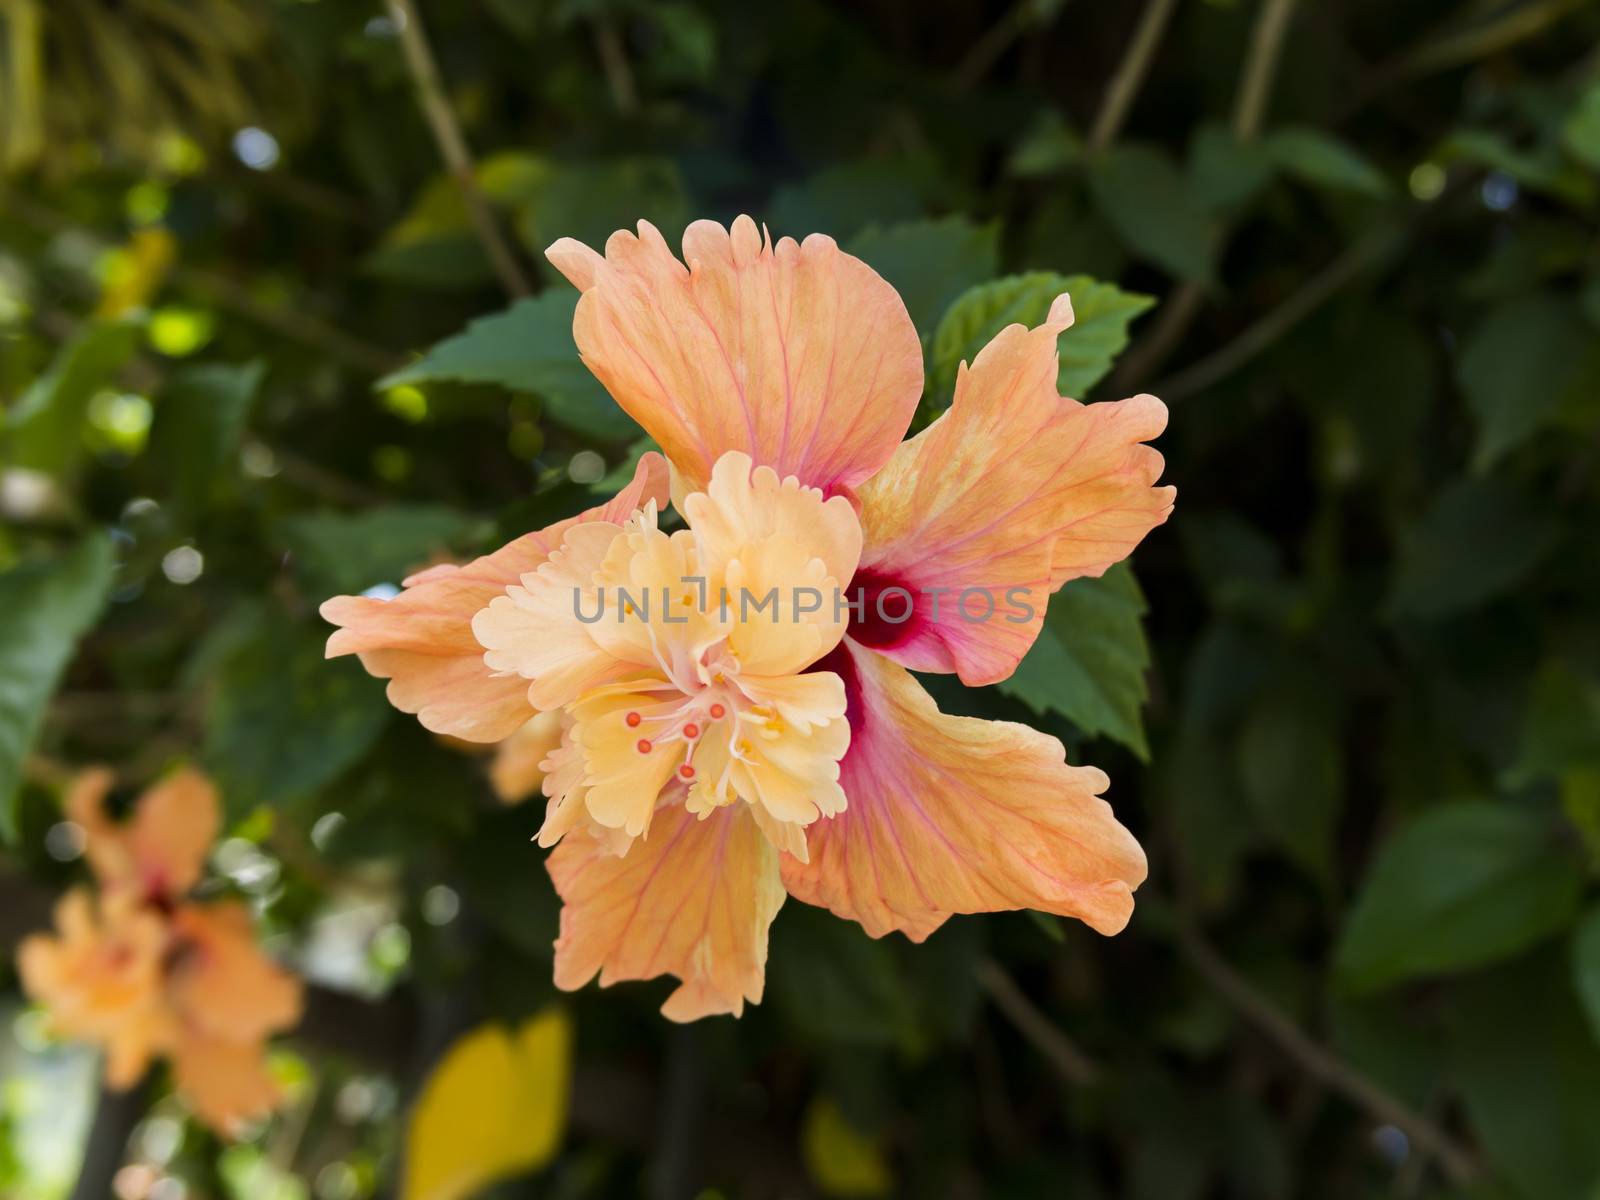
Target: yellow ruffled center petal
(707, 634)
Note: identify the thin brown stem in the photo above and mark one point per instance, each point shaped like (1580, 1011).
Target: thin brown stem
(1184, 302)
(1129, 77)
(1319, 1062)
(452, 143)
(1480, 41)
(1060, 1051)
(614, 61)
(1279, 319)
(1261, 67)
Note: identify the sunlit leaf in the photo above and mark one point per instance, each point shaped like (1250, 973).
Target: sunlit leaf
(1463, 886)
(44, 609)
(527, 348)
(1102, 313)
(841, 1161)
(44, 429)
(134, 273)
(494, 1107)
(1090, 661)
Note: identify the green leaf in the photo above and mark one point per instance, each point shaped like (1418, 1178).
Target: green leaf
(433, 244)
(349, 552)
(1102, 313)
(1530, 1074)
(1090, 661)
(1321, 159)
(44, 429)
(527, 348)
(199, 422)
(930, 263)
(1560, 726)
(1226, 173)
(1476, 541)
(1148, 201)
(1291, 766)
(1586, 967)
(1518, 367)
(1580, 133)
(1462, 886)
(590, 200)
(44, 609)
(837, 985)
(283, 721)
(1541, 169)
(1047, 147)
(847, 197)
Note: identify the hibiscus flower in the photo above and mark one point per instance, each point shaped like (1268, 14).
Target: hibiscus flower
(143, 971)
(719, 752)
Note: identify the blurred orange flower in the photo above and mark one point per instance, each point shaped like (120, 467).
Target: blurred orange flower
(143, 971)
(714, 760)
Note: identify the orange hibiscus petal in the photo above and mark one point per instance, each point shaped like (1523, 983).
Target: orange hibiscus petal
(172, 830)
(422, 640)
(693, 899)
(159, 851)
(798, 354)
(955, 815)
(221, 982)
(226, 1083)
(1011, 493)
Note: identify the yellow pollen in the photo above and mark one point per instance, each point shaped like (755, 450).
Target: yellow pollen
(775, 725)
(743, 747)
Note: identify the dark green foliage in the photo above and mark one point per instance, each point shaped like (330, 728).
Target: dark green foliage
(1351, 706)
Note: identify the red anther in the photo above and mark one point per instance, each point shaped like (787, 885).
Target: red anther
(718, 712)
(644, 746)
(633, 720)
(691, 730)
(686, 771)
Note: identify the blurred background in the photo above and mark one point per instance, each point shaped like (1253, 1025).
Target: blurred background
(1349, 697)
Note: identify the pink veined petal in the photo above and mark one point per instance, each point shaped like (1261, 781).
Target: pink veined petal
(1011, 493)
(796, 353)
(955, 815)
(693, 899)
(422, 640)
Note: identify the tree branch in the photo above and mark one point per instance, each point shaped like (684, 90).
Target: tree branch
(452, 144)
(115, 1116)
(1130, 73)
(1319, 1062)
(1060, 1051)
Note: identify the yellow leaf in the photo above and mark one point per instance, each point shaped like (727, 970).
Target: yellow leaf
(841, 1161)
(495, 1106)
(134, 272)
